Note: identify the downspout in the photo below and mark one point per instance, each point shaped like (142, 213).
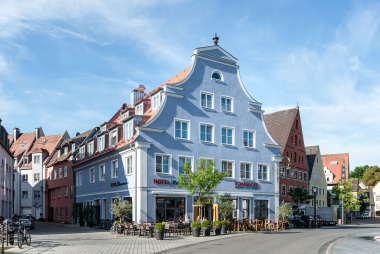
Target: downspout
(134, 149)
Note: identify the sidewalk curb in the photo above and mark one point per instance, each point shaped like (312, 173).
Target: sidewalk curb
(331, 246)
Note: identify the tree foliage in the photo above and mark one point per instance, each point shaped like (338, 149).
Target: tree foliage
(359, 172)
(121, 209)
(299, 196)
(284, 210)
(226, 206)
(201, 183)
(350, 199)
(372, 176)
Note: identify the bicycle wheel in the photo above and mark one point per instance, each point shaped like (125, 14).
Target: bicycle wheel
(28, 238)
(113, 229)
(19, 239)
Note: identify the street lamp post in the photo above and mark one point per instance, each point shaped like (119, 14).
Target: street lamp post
(342, 205)
(315, 202)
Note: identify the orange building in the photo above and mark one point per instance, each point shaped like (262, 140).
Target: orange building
(336, 167)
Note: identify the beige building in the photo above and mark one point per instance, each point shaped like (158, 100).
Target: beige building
(317, 178)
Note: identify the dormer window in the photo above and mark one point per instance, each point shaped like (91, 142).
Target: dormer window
(139, 109)
(81, 152)
(101, 143)
(155, 101)
(113, 137)
(59, 153)
(26, 160)
(66, 150)
(128, 130)
(90, 148)
(217, 76)
(125, 116)
(37, 159)
(73, 147)
(103, 128)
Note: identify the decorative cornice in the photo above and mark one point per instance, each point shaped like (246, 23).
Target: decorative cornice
(175, 95)
(256, 110)
(141, 128)
(272, 145)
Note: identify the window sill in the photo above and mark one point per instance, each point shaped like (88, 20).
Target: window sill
(209, 109)
(207, 142)
(228, 112)
(265, 181)
(228, 145)
(159, 173)
(251, 148)
(181, 139)
(129, 174)
(102, 180)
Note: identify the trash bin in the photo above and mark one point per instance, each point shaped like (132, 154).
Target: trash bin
(339, 221)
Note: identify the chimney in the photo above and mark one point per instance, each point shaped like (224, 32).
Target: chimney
(137, 94)
(16, 133)
(39, 133)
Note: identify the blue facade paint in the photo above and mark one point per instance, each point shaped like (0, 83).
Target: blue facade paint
(182, 101)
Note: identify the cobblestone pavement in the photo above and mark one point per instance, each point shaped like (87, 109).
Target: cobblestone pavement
(60, 238)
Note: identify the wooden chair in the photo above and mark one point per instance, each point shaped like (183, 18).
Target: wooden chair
(167, 229)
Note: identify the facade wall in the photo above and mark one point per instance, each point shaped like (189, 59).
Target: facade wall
(291, 178)
(317, 179)
(376, 198)
(338, 164)
(147, 187)
(6, 182)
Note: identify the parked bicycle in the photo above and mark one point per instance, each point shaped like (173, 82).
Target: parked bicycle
(113, 229)
(23, 235)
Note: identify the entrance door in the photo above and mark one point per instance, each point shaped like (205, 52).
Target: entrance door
(50, 214)
(261, 209)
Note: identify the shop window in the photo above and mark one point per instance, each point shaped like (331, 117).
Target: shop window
(261, 209)
(169, 208)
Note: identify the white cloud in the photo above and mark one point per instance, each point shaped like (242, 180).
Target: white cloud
(4, 67)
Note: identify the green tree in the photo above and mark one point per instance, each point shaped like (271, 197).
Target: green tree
(350, 199)
(299, 196)
(372, 176)
(201, 183)
(284, 210)
(359, 172)
(226, 206)
(121, 209)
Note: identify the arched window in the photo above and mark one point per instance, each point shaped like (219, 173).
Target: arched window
(217, 75)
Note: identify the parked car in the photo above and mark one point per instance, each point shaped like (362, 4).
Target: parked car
(27, 220)
(364, 215)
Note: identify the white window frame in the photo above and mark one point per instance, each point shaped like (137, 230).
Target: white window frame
(139, 109)
(101, 143)
(169, 164)
(181, 130)
(90, 148)
(233, 135)
(65, 171)
(82, 150)
(128, 165)
(39, 177)
(39, 159)
(101, 178)
(59, 153)
(26, 160)
(220, 74)
(212, 132)
(25, 178)
(233, 167)
(66, 150)
(111, 135)
(268, 170)
(156, 101)
(73, 147)
(232, 104)
(114, 170)
(253, 138)
(191, 158)
(251, 170)
(92, 175)
(55, 174)
(208, 159)
(212, 100)
(79, 178)
(128, 130)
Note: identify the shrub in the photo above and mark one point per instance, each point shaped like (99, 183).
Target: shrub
(223, 223)
(205, 224)
(159, 226)
(195, 224)
(216, 223)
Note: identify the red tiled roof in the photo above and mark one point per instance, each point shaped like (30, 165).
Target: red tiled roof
(47, 143)
(336, 168)
(22, 144)
(279, 125)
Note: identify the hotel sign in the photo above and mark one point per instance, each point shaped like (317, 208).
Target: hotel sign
(165, 182)
(246, 184)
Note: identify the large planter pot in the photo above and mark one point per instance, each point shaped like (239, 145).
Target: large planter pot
(159, 234)
(217, 230)
(206, 231)
(223, 230)
(196, 232)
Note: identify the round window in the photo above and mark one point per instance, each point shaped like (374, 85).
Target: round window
(216, 76)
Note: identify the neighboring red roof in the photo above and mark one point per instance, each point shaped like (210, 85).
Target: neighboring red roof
(334, 163)
(279, 125)
(47, 143)
(22, 144)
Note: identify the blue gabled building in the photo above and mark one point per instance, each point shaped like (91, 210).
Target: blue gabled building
(204, 112)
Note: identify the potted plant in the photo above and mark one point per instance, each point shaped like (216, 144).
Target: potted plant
(216, 226)
(80, 217)
(196, 228)
(206, 228)
(159, 231)
(223, 223)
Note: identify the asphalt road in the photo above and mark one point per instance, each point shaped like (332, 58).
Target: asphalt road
(289, 241)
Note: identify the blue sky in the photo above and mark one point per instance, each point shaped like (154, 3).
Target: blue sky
(69, 65)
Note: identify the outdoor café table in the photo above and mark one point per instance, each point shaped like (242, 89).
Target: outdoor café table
(239, 225)
(245, 224)
(257, 224)
(268, 224)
